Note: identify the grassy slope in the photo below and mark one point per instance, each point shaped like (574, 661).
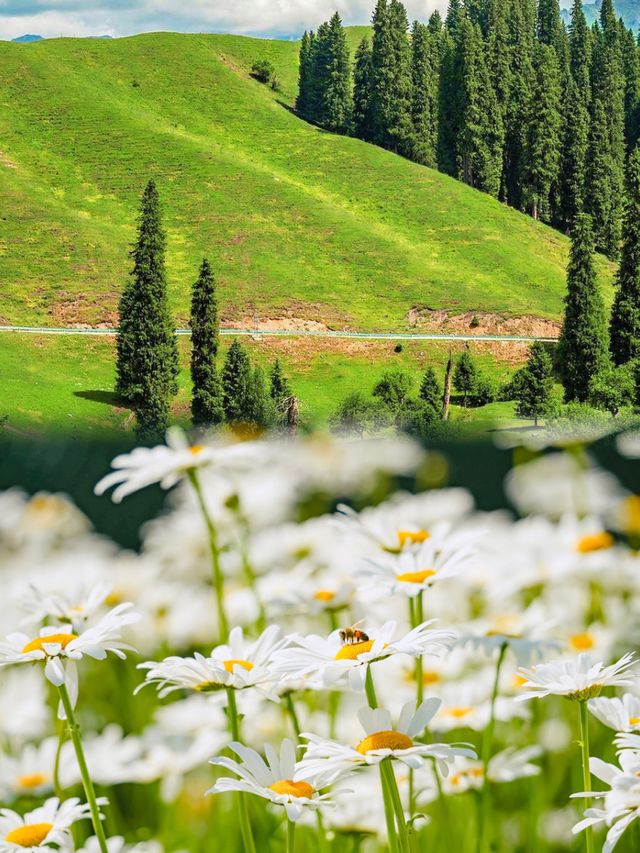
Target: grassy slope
(292, 217)
(40, 392)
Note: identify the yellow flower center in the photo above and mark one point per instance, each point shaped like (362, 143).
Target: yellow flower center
(430, 677)
(594, 542)
(197, 448)
(581, 642)
(208, 686)
(30, 835)
(293, 789)
(113, 599)
(350, 651)
(324, 595)
(416, 577)
(519, 680)
(384, 740)
(458, 713)
(634, 721)
(245, 664)
(38, 644)
(412, 537)
(32, 780)
(505, 625)
(631, 514)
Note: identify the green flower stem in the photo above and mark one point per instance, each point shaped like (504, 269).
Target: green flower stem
(394, 793)
(218, 578)
(388, 810)
(370, 689)
(291, 836)
(418, 619)
(57, 787)
(487, 747)
(74, 732)
(291, 710)
(586, 774)
(234, 727)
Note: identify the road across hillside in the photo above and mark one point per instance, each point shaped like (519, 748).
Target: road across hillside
(285, 333)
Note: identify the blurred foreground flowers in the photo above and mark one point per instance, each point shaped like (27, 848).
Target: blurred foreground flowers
(343, 652)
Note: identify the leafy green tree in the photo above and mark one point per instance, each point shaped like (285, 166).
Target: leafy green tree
(147, 352)
(465, 376)
(305, 75)
(358, 414)
(612, 388)
(583, 344)
(393, 389)
(535, 385)
(236, 380)
(263, 71)
(545, 127)
(424, 99)
(391, 85)
(625, 314)
(430, 390)
(362, 114)
(279, 388)
(206, 402)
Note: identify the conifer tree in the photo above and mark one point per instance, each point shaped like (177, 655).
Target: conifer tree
(305, 75)
(465, 376)
(580, 51)
(450, 111)
(549, 25)
(334, 71)
(391, 78)
(631, 68)
(147, 352)
(521, 21)
(544, 137)
(259, 407)
(362, 117)
(430, 390)
(583, 344)
(601, 183)
(279, 388)
(574, 155)
(423, 104)
(318, 73)
(236, 382)
(625, 315)
(206, 402)
(535, 385)
(481, 139)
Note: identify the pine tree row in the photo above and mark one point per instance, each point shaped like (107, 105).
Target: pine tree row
(501, 94)
(147, 352)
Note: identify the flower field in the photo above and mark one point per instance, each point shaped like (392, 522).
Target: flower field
(320, 646)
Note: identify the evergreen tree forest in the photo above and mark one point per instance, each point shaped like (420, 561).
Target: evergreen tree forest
(501, 94)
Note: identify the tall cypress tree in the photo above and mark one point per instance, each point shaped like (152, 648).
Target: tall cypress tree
(545, 127)
(279, 388)
(450, 109)
(147, 352)
(391, 78)
(631, 67)
(423, 104)
(574, 155)
(583, 344)
(601, 183)
(206, 402)
(305, 75)
(534, 384)
(236, 383)
(318, 73)
(362, 117)
(625, 315)
(335, 104)
(581, 51)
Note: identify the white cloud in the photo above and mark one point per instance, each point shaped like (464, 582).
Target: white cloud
(116, 17)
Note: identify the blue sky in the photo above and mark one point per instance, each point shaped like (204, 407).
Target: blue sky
(124, 17)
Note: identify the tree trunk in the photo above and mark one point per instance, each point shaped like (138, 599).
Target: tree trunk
(446, 399)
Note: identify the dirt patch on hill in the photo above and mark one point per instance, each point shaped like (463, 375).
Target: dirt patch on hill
(72, 311)
(480, 323)
(287, 323)
(5, 161)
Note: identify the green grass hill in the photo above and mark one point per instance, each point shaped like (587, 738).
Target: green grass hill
(295, 220)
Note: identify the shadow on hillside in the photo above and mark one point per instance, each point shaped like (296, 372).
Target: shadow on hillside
(110, 398)
(294, 112)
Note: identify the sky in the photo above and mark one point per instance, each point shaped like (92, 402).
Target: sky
(52, 18)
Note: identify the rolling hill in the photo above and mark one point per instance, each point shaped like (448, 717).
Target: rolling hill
(296, 221)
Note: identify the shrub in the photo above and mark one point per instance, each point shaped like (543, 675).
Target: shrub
(358, 414)
(398, 348)
(263, 71)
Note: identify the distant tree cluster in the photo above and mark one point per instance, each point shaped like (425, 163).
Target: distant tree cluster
(501, 94)
(147, 352)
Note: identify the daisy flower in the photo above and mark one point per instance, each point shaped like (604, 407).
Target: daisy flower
(621, 715)
(55, 644)
(67, 605)
(40, 829)
(505, 766)
(326, 760)
(238, 664)
(170, 463)
(412, 570)
(621, 801)
(579, 679)
(329, 659)
(275, 780)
